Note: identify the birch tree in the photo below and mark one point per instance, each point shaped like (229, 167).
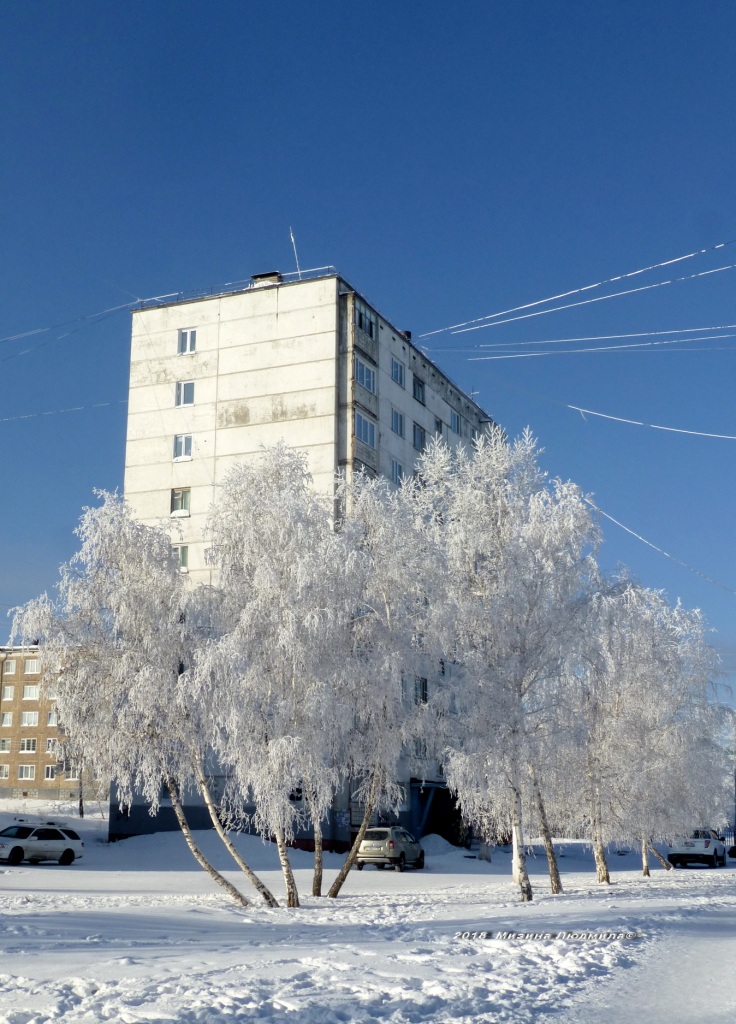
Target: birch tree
(519, 551)
(645, 721)
(399, 569)
(272, 679)
(116, 641)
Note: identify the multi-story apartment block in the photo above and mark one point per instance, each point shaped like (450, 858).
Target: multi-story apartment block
(301, 359)
(306, 361)
(29, 735)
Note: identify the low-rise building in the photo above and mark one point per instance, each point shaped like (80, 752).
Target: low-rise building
(30, 739)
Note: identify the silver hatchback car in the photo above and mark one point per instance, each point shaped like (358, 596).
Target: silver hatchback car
(389, 845)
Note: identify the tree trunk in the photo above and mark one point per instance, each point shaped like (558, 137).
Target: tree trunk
(554, 871)
(195, 850)
(292, 896)
(81, 794)
(518, 860)
(645, 857)
(598, 848)
(252, 877)
(350, 859)
(318, 858)
(665, 863)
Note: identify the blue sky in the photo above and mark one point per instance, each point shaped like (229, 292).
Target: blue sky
(451, 161)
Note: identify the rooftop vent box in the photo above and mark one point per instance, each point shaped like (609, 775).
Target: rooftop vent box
(264, 280)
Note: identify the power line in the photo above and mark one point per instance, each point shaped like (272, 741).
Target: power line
(690, 568)
(587, 302)
(652, 426)
(638, 346)
(584, 288)
(56, 412)
(611, 337)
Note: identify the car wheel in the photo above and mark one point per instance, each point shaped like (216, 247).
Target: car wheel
(400, 863)
(360, 865)
(16, 855)
(420, 861)
(67, 857)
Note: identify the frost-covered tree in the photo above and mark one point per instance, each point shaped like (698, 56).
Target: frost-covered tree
(645, 725)
(272, 679)
(116, 642)
(518, 554)
(399, 571)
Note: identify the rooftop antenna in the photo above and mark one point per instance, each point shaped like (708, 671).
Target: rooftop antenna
(295, 255)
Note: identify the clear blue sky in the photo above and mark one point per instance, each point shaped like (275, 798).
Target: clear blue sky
(451, 160)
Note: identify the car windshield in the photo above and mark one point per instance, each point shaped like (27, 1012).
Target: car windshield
(17, 832)
(376, 833)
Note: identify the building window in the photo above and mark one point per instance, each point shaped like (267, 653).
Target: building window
(187, 342)
(181, 551)
(420, 690)
(397, 372)
(365, 375)
(185, 392)
(31, 667)
(397, 472)
(29, 718)
(9, 667)
(70, 774)
(6, 719)
(180, 501)
(366, 320)
(30, 692)
(26, 771)
(183, 446)
(365, 429)
(397, 422)
(50, 745)
(419, 389)
(5, 746)
(4, 771)
(8, 692)
(455, 423)
(52, 718)
(49, 771)
(420, 437)
(28, 746)
(438, 426)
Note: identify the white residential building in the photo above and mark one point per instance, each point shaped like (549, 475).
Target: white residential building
(307, 361)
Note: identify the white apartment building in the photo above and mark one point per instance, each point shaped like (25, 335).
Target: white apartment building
(301, 359)
(307, 361)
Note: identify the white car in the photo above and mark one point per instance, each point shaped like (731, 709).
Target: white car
(390, 846)
(703, 846)
(49, 840)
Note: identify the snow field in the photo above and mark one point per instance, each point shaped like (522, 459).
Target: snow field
(135, 932)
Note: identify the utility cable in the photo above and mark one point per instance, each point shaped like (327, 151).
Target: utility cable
(599, 298)
(584, 288)
(690, 568)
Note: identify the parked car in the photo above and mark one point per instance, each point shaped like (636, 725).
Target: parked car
(390, 845)
(703, 846)
(49, 840)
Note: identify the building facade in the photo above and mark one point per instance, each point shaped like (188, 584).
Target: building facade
(30, 766)
(308, 362)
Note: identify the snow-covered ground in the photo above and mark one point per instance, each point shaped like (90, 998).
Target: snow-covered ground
(137, 932)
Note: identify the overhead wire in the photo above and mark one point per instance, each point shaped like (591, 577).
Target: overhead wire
(685, 565)
(583, 288)
(587, 302)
